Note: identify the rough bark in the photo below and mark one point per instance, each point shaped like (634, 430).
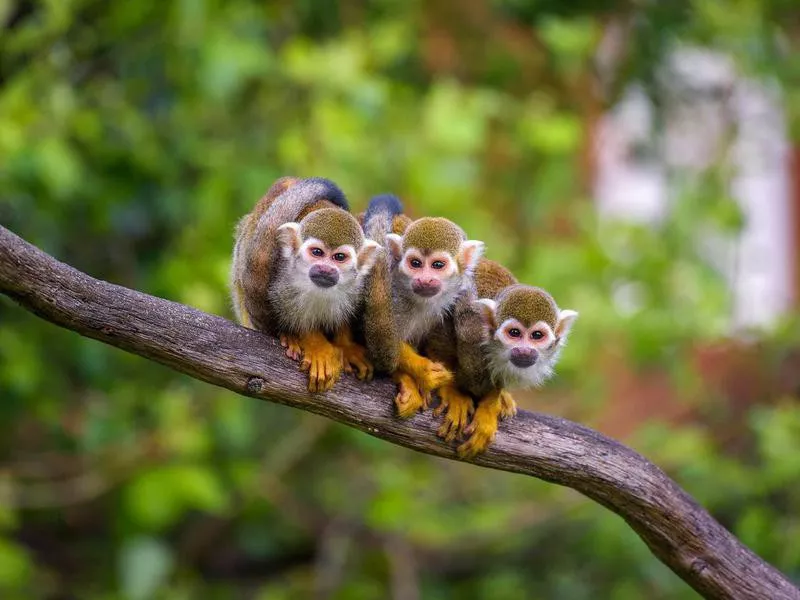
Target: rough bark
(677, 530)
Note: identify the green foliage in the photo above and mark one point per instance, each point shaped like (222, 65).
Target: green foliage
(132, 138)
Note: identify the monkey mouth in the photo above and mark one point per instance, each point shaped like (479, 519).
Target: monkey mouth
(523, 361)
(324, 280)
(427, 292)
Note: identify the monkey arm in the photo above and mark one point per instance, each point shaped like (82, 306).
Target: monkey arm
(470, 335)
(377, 320)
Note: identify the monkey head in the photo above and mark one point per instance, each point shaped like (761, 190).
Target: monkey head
(433, 259)
(327, 253)
(527, 331)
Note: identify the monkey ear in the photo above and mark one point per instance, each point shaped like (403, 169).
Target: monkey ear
(366, 257)
(468, 255)
(394, 244)
(488, 309)
(289, 238)
(566, 319)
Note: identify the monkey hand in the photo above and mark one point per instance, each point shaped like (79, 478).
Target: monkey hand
(322, 360)
(508, 406)
(354, 355)
(459, 407)
(483, 427)
(292, 345)
(428, 375)
(408, 400)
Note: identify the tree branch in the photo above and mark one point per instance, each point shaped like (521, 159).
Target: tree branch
(675, 528)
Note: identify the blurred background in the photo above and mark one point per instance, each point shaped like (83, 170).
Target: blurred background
(638, 159)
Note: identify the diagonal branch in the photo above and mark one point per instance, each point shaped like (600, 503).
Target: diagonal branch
(676, 529)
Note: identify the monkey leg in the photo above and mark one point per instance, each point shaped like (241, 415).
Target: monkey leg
(484, 425)
(429, 375)
(508, 406)
(459, 407)
(292, 345)
(408, 400)
(354, 355)
(321, 359)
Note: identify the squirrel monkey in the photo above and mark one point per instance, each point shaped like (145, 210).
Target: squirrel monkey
(526, 332)
(299, 264)
(430, 264)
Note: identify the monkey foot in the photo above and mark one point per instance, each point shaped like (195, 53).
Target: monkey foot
(508, 406)
(355, 361)
(458, 406)
(292, 345)
(408, 400)
(483, 427)
(322, 360)
(354, 356)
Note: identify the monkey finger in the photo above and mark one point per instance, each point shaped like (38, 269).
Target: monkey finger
(443, 402)
(445, 430)
(312, 384)
(427, 398)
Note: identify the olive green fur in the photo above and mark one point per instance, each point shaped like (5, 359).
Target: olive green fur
(332, 226)
(527, 304)
(491, 278)
(431, 234)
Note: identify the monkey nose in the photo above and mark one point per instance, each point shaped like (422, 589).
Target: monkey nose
(323, 276)
(426, 289)
(524, 357)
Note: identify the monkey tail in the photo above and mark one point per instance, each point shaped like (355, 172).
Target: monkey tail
(380, 215)
(296, 199)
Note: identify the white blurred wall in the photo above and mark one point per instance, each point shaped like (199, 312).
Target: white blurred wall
(712, 113)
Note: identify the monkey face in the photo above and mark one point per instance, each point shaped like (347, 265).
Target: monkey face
(327, 267)
(317, 267)
(520, 353)
(433, 261)
(429, 274)
(528, 351)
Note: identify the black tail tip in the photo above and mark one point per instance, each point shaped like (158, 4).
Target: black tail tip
(384, 203)
(333, 192)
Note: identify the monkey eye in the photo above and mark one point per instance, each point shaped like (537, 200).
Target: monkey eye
(537, 335)
(317, 252)
(340, 257)
(415, 263)
(514, 332)
(438, 264)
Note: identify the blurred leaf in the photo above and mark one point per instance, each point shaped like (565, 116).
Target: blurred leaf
(15, 566)
(159, 496)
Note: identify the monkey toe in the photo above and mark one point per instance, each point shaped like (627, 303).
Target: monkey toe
(292, 345)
